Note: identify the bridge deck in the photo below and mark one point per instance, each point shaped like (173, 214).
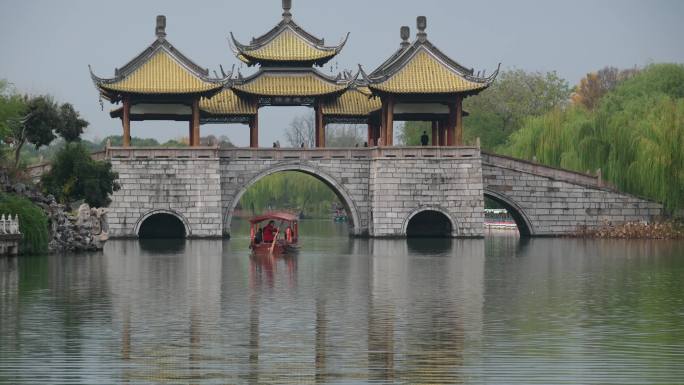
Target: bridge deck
(292, 153)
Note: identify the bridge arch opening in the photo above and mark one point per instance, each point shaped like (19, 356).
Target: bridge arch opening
(303, 182)
(161, 225)
(429, 223)
(514, 211)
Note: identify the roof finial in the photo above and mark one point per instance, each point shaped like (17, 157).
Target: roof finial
(160, 30)
(421, 23)
(287, 4)
(405, 33)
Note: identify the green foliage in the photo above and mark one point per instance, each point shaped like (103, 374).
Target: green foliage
(344, 135)
(635, 136)
(35, 120)
(12, 109)
(410, 133)
(33, 223)
(75, 175)
(42, 116)
(289, 190)
(71, 125)
(503, 107)
(117, 141)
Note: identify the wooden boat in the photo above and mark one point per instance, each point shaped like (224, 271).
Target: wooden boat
(285, 237)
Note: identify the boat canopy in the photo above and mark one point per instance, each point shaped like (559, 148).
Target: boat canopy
(276, 215)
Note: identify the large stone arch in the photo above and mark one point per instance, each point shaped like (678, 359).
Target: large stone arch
(521, 219)
(186, 224)
(331, 182)
(441, 210)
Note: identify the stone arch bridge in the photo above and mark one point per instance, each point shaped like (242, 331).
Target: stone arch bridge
(382, 188)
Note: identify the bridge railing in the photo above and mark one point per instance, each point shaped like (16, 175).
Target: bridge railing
(291, 153)
(542, 170)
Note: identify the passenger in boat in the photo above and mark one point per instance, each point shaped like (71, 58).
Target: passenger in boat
(269, 232)
(259, 236)
(288, 234)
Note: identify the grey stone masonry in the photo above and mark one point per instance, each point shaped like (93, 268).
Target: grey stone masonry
(381, 188)
(551, 201)
(450, 183)
(187, 187)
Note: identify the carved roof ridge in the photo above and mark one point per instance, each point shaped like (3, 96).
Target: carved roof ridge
(393, 68)
(160, 44)
(285, 71)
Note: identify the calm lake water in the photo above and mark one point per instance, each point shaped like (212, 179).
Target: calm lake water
(498, 310)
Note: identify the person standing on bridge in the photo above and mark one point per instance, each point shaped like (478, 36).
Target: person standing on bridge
(424, 139)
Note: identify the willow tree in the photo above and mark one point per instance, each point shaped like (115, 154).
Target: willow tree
(635, 136)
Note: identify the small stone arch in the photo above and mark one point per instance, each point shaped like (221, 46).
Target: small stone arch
(525, 227)
(331, 182)
(147, 215)
(452, 221)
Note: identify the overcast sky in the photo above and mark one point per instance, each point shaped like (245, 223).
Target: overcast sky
(46, 46)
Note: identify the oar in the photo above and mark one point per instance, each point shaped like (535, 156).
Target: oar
(275, 238)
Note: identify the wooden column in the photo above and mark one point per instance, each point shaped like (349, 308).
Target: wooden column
(369, 136)
(195, 124)
(459, 122)
(254, 131)
(435, 133)
(383, 125)
(320, 128)
(126, 122)
(442, 128)
(378, 132)
(389, 131)
(451, 125)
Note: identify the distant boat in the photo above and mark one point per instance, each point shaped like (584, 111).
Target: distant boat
(499, 219)
(285, 238)
(340, 215)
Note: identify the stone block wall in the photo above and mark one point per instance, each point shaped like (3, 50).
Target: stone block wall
(347, 177)
(400, 188)
(562, 202)
(187, 188)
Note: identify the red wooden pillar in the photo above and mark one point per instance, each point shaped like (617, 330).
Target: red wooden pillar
(442, 128)
(435, 133)
(458, 137)
(320, 128)
(389, 140)
(383, 125)
(195, 124)
(378, 132)
(126, 122)
(371, 132)
(451, 125)
(254, 130)
(191, 136)
(387, 123)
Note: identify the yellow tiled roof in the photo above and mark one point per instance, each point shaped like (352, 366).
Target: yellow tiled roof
(289, 84)
(357, 102)
(424, 74)
(287, 46)
(227, 102)
(161, 74)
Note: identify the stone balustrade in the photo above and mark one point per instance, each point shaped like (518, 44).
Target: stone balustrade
(9, 225)
(290, 153)
(10, 235)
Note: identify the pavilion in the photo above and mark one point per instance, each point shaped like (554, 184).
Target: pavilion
(417, 82)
